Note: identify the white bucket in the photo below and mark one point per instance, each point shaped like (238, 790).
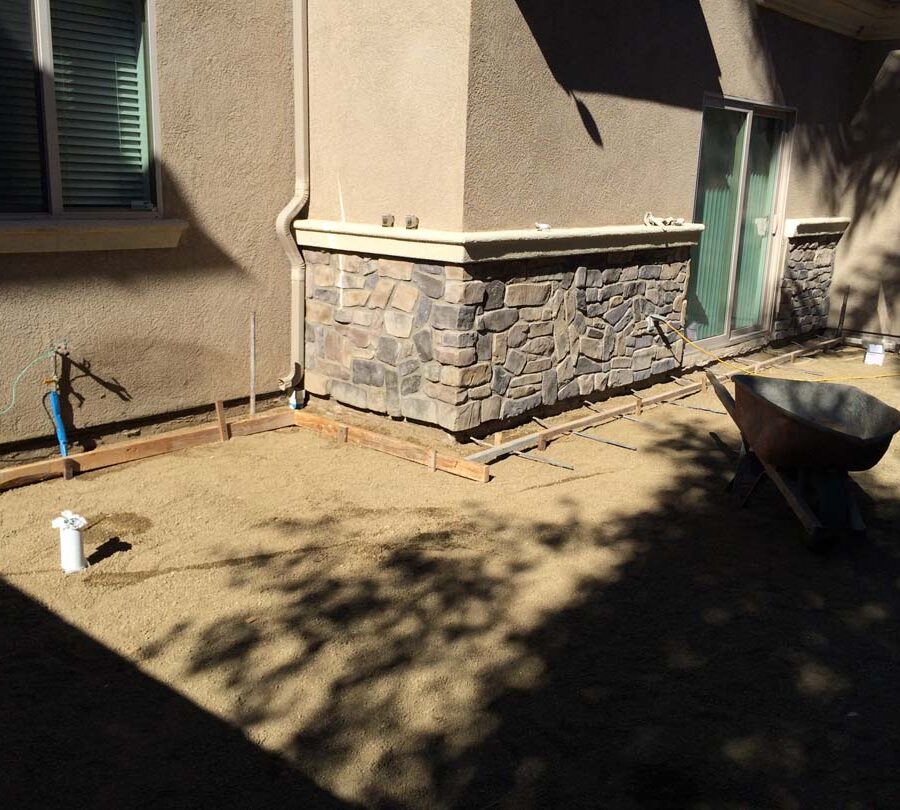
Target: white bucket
(71, 544)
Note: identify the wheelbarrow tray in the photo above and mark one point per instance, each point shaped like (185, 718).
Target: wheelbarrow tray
(793, 423)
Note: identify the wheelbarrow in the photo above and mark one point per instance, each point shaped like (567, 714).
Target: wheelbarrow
(806, 437)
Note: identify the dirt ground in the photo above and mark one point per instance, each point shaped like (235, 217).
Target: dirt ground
(282, 621)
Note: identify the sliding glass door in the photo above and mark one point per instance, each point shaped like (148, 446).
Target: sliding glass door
(740, 158)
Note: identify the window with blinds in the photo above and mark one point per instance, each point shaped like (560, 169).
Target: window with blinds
(91, 96)
(21, 150)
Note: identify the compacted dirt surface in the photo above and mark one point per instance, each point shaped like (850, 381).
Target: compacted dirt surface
(282, 621)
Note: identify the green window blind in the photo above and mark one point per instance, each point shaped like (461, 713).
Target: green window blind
(22, 187)
(101, 103)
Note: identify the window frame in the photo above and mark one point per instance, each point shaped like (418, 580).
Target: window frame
(42, 36)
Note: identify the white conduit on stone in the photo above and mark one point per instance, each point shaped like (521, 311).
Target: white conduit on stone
(293, 381)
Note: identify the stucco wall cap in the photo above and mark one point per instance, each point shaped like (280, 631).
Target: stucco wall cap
(815, 226)
(459, 247)
(65, 236)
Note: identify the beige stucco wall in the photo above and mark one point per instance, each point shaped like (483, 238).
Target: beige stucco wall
(388, 83)
(171, 326)
(589, 113)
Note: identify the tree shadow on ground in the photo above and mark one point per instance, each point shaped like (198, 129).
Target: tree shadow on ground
(83, 727)
(687, 654)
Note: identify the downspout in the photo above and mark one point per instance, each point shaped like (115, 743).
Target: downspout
(284, 223)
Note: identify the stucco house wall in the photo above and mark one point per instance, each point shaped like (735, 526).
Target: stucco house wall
(388, 95)
(165, 330)
(590, 113)
(582, 114)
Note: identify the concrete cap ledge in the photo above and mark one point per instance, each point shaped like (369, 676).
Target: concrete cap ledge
(815, 226)
(75, 235)
(465, 247)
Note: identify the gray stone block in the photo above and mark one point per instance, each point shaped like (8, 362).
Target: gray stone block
(424, 344)
(457, 340)
(550, 388)
(367, 372)
(445, 393)
(490, 409)
(569, 390)
(388, 350)
(392, 392)
(499, 320)
(495, 292)
(620, 377)
(512, 408)
(398, 324)
(349, 394)
(466, 377)
(587, 366)
(452, 316)
(538, 364)
(450, 356)
(423, 311)
(517, 335)
(527, 295)
(483, 347)
(500, 379)
(418, 408)
(431, 284)
(410, 385)
(457, 419)
(539, 346)
(615, 314)
(515, 361)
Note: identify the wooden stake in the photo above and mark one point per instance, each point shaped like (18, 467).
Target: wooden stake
(223, 423)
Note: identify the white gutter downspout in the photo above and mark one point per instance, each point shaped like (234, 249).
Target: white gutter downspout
(284, 223)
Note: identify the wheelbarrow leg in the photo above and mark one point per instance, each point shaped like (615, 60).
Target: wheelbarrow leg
(747, 476)
(793, 494)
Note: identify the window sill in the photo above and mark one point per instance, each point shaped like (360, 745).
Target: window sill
(70, 236)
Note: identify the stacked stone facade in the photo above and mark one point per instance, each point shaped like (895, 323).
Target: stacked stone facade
(804, 293)
(463, 346)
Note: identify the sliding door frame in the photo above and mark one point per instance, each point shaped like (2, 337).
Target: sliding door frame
(774, 262)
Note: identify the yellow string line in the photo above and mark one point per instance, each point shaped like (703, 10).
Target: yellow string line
(749, 371)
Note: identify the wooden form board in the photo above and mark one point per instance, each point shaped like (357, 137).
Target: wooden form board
(221, 430)
(634, 405)
(123, 452)
(426, 456)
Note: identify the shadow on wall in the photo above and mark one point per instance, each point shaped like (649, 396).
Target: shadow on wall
(681, 654)
(849, 133)
(872, 294)
(633, 49)
(83, 727)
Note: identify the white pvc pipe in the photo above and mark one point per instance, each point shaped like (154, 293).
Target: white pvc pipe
(284, 221)
(71, 543)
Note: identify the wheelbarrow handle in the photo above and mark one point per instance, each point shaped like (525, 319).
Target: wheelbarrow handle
(722, 393)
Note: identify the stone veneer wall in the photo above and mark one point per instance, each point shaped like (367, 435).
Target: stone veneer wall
(804, 293)
(463, 346)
